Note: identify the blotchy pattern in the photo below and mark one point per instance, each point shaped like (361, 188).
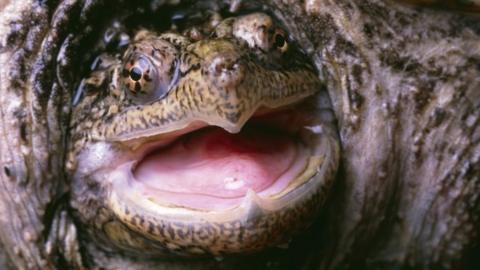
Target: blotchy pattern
(165, 82)
(408, 189)
(207, 91)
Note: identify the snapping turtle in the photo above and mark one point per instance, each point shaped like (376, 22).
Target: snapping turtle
(186, 140)
(204, 146)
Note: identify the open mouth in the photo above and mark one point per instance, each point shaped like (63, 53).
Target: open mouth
(211, 169)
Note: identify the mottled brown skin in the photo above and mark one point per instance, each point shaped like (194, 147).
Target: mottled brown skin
(404, 86)
(161, 84)
(215, 78)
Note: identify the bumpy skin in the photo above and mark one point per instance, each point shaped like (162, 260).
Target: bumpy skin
(162, 84)
(216, 81)
(404, 85)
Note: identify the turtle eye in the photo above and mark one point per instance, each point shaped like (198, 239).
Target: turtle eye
(141, 80)
(136, 74)
(280, 41)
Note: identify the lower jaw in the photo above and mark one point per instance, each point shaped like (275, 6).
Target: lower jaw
(252, 223)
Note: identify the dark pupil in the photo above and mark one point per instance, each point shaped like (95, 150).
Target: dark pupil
(135, 74)
(279, 41)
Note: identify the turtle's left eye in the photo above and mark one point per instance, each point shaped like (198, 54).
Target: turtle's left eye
(280, 41)
(141, 80)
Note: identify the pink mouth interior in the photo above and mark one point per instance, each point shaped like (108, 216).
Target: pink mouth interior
(211, 168)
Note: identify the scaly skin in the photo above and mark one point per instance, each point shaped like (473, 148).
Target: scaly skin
(404, 87)
(168, 83)
(216, 83)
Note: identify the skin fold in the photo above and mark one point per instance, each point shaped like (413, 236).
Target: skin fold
(169, 84)
(403, 84)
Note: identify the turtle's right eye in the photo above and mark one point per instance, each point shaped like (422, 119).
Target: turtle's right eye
(141, 80)
(136, 74)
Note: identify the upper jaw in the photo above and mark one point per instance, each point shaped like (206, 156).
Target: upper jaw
(218, 86)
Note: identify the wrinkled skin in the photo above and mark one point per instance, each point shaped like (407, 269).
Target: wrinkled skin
(170, 91)
(404, 88)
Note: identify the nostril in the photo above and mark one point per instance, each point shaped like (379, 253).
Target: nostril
(225, 70)
(223, 64)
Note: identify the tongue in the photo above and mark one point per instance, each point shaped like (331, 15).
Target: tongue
(215, 163)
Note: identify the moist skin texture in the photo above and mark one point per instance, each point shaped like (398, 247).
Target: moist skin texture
(403, 84)
(202, 145)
